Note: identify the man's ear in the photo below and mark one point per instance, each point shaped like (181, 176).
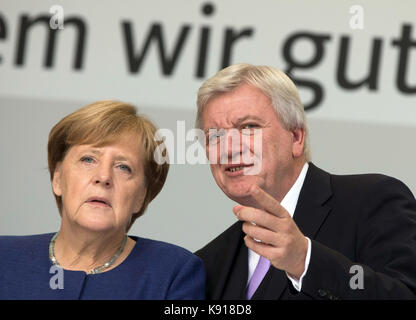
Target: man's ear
(56, 181)
(298, 142)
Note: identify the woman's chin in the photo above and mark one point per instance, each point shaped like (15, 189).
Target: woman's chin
(96, 224)
(96, 227)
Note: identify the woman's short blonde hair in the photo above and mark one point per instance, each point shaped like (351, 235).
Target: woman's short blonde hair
(272, 82)
(99, 124)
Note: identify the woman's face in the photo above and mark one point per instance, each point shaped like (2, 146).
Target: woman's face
(101, 187)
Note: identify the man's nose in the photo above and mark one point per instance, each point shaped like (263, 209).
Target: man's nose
(231, 146)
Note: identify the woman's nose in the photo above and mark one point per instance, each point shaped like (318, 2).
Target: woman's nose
(103, 175)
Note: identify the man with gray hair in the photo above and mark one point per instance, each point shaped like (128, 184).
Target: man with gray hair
(302, 233)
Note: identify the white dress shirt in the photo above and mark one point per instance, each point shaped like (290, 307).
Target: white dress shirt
(289, 202)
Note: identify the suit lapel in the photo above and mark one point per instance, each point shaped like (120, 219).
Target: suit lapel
(237, 278)
(231, 244)
(312, 208)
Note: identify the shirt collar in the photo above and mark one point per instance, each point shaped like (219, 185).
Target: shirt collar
(291, 198)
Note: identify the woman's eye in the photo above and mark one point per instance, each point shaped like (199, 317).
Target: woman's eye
(124, 167)
(87, 159)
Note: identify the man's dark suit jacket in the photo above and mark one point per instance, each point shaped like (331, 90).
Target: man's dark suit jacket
(367, 220)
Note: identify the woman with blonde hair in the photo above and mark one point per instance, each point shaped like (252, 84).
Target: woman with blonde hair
(103, 176)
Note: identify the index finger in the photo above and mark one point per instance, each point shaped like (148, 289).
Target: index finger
(267, 202)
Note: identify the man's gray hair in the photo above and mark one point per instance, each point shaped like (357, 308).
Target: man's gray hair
(272, 82)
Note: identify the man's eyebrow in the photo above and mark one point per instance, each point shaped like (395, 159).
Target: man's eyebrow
(239, 121)
(248, 117)
(212, 128)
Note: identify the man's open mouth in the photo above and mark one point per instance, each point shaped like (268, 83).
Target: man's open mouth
(237, 168)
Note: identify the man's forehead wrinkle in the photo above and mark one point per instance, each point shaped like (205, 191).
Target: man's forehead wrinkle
(228, 120)
(219, 119)
(230, 110)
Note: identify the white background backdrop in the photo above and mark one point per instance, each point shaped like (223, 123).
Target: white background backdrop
(352, 131)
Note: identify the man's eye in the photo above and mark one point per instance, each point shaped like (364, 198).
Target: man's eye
(214, 135)
(250, 126)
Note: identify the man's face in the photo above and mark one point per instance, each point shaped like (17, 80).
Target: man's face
(281, 158)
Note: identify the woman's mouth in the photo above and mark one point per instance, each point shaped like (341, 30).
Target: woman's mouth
(98, 201)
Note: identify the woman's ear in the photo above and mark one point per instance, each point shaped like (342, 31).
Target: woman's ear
(56, 181)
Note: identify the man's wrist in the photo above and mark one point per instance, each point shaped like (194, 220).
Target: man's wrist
(297, 281)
